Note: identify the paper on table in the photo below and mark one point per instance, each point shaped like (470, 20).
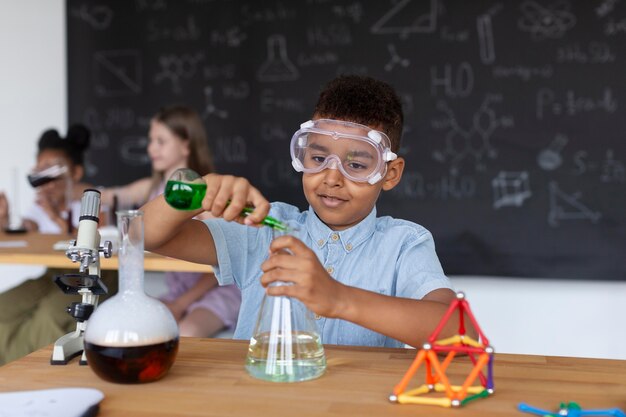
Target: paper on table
(58, 402)
(61, 245)
(13, 244)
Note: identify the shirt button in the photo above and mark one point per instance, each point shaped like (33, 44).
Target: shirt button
(349, 246)
(334, 237)
(320, 242)
(330, 269)
(317, 317)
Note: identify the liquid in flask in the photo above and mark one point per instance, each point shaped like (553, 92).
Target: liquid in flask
(131, 337)
(286, 345)
(185, 189)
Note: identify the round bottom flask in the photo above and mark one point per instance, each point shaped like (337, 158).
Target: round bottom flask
(131, 337)
(285, 346)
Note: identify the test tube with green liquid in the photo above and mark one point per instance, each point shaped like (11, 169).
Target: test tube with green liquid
(185, 190)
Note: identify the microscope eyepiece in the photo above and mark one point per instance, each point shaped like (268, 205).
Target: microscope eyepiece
(90, 205)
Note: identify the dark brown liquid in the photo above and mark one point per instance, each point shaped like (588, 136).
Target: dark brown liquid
(132, 364)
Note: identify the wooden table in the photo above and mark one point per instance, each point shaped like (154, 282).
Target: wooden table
(209, 379)
(39, 251)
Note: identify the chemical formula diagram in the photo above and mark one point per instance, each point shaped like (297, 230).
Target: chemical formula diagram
(471, 143)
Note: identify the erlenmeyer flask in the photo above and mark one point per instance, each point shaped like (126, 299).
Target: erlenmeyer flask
(131, 337)
(286, 345)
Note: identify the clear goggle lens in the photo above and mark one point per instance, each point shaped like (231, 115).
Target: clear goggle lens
(353, 149)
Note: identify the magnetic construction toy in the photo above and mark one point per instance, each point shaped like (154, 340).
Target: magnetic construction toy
(437, 390)
(571, 409)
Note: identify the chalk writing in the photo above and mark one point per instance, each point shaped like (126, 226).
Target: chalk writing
(551, 21)
(461, 85)
(259, 12)
(522, 72)
(274, 131)
(572, 104)
(606, 7)
(485, 35)
(565, 206)
(150, 5)
(175, 68)
(471, 143)
(510, 189)
(610, 169)
(331, 35)
(395, 59)
(550, 158)
(454, 187)
(97, 16)
(236, 90)
(117, 73)
(231, 150)
(615, 27)
(353, 11)
(407, 17)
(270, 102)
(277, 66)
(593, 53)
(278, 173)
(187, 31)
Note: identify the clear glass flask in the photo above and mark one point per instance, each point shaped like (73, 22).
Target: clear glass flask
(131, 337)
(285, 345)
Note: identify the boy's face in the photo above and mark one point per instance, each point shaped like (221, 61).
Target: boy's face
(337, 200)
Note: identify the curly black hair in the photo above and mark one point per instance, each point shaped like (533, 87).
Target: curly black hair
(74, 144)
(364, 100)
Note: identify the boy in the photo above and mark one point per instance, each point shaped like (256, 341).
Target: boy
(370, 281)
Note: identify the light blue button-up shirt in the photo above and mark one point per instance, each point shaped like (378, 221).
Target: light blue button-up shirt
(383, 255)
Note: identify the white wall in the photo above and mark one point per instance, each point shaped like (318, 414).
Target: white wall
(33, 90)
(555, 317)
(551, 317)
(33, 97)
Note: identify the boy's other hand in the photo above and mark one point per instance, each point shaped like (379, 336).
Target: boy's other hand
(291, 261)
(226, 196)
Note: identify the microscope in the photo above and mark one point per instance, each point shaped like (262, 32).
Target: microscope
(85, 250)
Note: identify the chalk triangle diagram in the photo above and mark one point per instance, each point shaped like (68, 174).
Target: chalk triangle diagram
(568, 207)
(437, 389)
(408, 16)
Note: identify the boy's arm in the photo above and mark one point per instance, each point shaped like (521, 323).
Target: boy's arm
(175, 233)
(407, 320)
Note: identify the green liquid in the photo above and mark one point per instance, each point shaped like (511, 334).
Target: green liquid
(302, 360)
(183, 195)
(188, 196)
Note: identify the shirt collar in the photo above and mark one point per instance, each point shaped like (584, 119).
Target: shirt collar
(350, 238)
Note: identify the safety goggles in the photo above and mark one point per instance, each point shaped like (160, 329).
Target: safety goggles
(357, 151)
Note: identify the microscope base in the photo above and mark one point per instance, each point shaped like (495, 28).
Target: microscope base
(68, 347)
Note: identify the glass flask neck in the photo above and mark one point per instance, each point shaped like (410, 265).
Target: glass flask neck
(130, 253)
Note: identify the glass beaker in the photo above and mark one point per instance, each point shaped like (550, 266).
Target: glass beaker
(131, 337)
(285, 345)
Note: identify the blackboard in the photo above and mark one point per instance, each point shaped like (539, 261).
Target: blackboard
(515, 134)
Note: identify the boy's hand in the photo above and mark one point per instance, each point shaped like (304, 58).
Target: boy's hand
(291, 261)
(226, 196)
